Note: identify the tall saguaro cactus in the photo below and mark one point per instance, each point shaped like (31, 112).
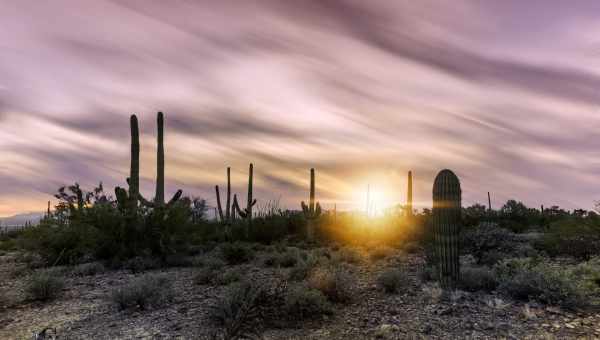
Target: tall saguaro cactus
(312, 211)
(225, 218)
(159, 198)
(128, 201)
(409, 196)
(446, 226)
(247, 212)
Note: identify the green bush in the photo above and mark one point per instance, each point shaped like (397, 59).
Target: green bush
(575, 237)
(149, 291)
(393, 280)
(487, 243)
(530, 279)
(304, 268)
(239, 310)
(302, 302)
(236, 253)
(44, 286)
(474, 279)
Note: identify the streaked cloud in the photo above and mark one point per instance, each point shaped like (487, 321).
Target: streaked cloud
(505, 93)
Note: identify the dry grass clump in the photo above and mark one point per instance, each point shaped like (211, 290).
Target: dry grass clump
(148, 291)
(44, 286)
(334, 283)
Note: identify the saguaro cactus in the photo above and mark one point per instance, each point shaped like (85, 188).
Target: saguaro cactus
(409, 196)
(312, 211)
(129, 201)
(159, 198)
(225, 218)
(446, 226)
(247, 212)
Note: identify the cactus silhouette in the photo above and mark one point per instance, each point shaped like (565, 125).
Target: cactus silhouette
(247, 212)
(446, 226)
(159, 198)
(312, 211)
(409, 196)
(225, 218)
(128, 201)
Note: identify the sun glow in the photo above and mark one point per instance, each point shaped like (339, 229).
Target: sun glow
(373, 200)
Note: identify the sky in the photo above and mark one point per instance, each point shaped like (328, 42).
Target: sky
(504, 93)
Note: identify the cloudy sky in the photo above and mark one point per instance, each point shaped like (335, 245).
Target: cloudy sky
(505, 93)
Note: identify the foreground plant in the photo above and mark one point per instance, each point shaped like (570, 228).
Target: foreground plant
(446, 227)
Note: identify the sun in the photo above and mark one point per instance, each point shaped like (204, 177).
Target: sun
(373, 200)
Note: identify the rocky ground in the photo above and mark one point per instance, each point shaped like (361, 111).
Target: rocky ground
(84, 309)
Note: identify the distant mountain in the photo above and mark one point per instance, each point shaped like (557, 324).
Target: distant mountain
(21, 219)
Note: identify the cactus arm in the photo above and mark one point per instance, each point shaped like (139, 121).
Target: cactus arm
(146, 202)
(219, 203)
(304, 209)
(175, 198)
(236, 206)
(318, 210)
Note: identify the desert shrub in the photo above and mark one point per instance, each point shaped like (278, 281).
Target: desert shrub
(474, 279)
(178, 260)
(348, 255)
(303, 302)
(530, 279)
(411, 247)
(204, 276)
(149, 291)
(236, 253)
(289, 258)
(427, 273)
(488, 242)
(322, 252)
(229, 276)
(239, 310)
(334, 283)
(141, 264)
(303, 268)
(213, 263)
(393, 280)
(380, 253)
(88, 269)
(44, 286)
(575, 237)
(271, 260)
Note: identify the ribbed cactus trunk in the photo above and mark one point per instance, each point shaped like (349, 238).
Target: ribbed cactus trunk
(409, 196)
(250, 202)
(446, 226)
(228, 207)
(310, 226)
(159, 198)
(312, 211)
(134, 171)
